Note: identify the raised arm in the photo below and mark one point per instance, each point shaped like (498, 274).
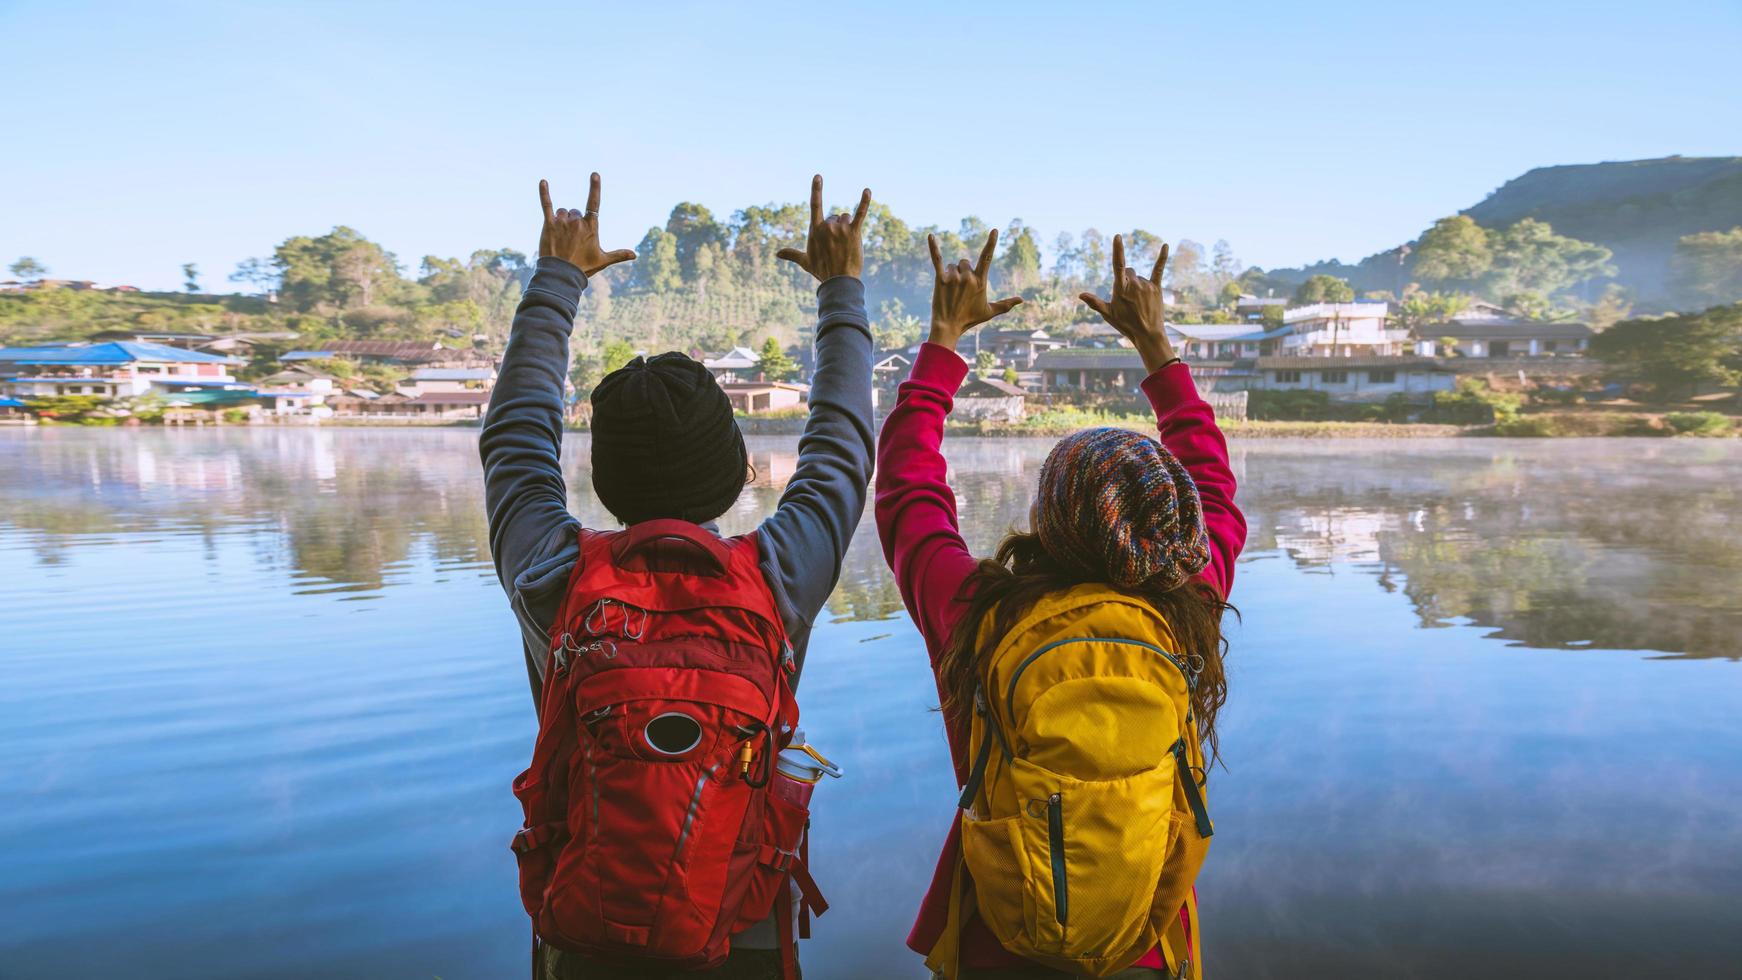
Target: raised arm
(808, 534)
(916, 509)
(1186, 422)
(521, 444)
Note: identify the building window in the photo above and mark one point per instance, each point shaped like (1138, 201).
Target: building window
(1334, 377)
(1288, 377)
(1385, 377)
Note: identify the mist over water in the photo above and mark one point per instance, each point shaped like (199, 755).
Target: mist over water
(262, 698)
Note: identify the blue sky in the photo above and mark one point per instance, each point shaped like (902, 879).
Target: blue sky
(146, 135)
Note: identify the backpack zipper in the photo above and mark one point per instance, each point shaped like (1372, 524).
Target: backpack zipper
(1055, 833)
(1194, 795)
(1010, 695)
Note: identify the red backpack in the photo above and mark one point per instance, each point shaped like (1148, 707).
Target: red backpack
(656, 826)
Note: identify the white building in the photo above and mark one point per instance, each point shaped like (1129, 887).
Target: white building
(119, 369)
(1342, 330)
(433, 380)
(1355, 379)
(737, 364)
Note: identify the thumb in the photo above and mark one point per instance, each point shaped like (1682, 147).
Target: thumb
(1097, 304)
(793, 255)
(620, 255)
(1005, 305)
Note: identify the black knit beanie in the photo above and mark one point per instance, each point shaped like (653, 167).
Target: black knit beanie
(665, 443)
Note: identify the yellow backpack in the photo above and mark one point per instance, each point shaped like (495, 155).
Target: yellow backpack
(1083, 818)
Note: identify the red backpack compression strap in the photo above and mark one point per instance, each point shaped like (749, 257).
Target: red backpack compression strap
(642, 536)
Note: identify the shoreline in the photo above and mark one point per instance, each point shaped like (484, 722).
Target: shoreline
(1548, 425)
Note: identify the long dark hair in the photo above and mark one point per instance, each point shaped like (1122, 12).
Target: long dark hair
(1008, 585)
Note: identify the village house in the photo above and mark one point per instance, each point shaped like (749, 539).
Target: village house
(432, 380)
(117, 369)
(1227, 341)
(737, 364)
(1354, 379)
(1486, 330)
(1342, 330)
(890, 367)
(429, 406)
(756, 397)
(990, 399)
(1112, 370)
(301, 377)
(1017, 348)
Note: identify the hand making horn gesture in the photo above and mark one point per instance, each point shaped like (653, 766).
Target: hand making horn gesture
(832, 248)
(958, 297)
(573, 236)
(1136, 308)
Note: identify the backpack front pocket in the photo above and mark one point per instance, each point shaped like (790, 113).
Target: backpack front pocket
(1094, 853)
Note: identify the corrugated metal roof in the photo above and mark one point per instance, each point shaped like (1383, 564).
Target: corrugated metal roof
(113, 352)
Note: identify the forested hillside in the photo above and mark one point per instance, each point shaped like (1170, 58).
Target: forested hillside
(1672, 228)
(1596, 242)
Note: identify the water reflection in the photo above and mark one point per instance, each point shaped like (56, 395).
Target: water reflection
(1552, 544)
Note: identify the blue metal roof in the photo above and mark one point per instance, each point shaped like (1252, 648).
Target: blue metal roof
(305, 355)
(113, 352)
(10, 403)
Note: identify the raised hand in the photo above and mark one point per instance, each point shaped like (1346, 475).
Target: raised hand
(1136, 307)
(832, 248)
(573, 236)
(958, 297)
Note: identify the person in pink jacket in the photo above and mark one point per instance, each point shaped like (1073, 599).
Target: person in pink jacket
(1113, 506)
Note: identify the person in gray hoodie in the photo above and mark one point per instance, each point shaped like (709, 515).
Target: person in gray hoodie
(665, 444)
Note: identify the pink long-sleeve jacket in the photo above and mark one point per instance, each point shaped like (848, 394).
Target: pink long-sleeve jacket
(916, 522)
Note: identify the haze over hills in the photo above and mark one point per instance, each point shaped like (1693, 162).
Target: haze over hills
(1638, 209)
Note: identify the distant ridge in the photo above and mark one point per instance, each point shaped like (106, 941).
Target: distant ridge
(1638, 208)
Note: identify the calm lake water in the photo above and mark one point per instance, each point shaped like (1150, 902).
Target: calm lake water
(261, 698)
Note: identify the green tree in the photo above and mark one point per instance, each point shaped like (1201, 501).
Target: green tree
(1020, 263)
(616, 353)
(1706, 269)
(1675, 354)
(1011, 377)
(1420, 309)
(1092, 258)
(190, 274)
(775, 365)
(336, 271)
(1185, 271)
(694, 229)
(1324, 289)
(985, 362)
(657, 269)
(1530, 258)
(1455, 252)
(262, 274)
(28, 268)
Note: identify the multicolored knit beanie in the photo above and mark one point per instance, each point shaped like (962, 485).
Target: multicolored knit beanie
(1115, 505)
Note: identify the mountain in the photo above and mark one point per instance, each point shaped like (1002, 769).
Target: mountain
(1637, 208)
